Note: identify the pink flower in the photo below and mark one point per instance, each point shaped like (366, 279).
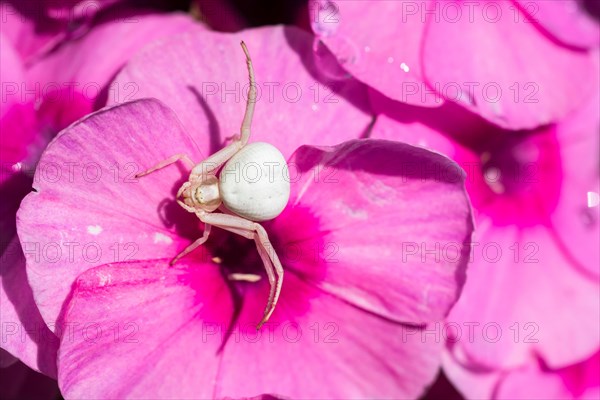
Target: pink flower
(488, 56)
(532, 290)
(38, 102)
(131, 326)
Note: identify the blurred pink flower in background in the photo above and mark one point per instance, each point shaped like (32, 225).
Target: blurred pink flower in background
(38, 27)
(340, 241)
(30, 31)
(38, 101)
(530, 151)
(482, 55)
(535, 263)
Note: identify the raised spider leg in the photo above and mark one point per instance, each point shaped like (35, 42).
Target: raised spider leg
(194, 245)
(247, 121)
(253, 230)
(213, 162)
(171, 160)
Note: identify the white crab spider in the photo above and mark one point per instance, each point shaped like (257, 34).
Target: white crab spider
(241, 199)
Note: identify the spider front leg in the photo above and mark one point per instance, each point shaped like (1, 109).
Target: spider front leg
(165, 163)
(253, 230)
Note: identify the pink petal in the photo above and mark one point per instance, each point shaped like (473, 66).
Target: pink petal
(534, 384)
(148, 322)
(202, 76)
(379, 45)
(81, 70)
(327, 348)
(471, 382)
(515, 299)
(24, 332)
(514, 60)
(381, 205)
(564, 20)
(74, 9)
(576, 219)
(186, 310)
(423, 127)
(88, 209)
(29, 31)
(532, 381)
(580, 381)
(108, 328)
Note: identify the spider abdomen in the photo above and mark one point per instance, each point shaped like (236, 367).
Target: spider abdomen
(255, 183)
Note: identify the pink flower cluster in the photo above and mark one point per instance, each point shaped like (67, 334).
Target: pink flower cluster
(441, 234)
(509, 90)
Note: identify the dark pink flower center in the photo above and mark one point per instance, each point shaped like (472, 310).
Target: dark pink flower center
(299, 242)
(295, 236)
(583, 376)
(515, 177)
(580, 377)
